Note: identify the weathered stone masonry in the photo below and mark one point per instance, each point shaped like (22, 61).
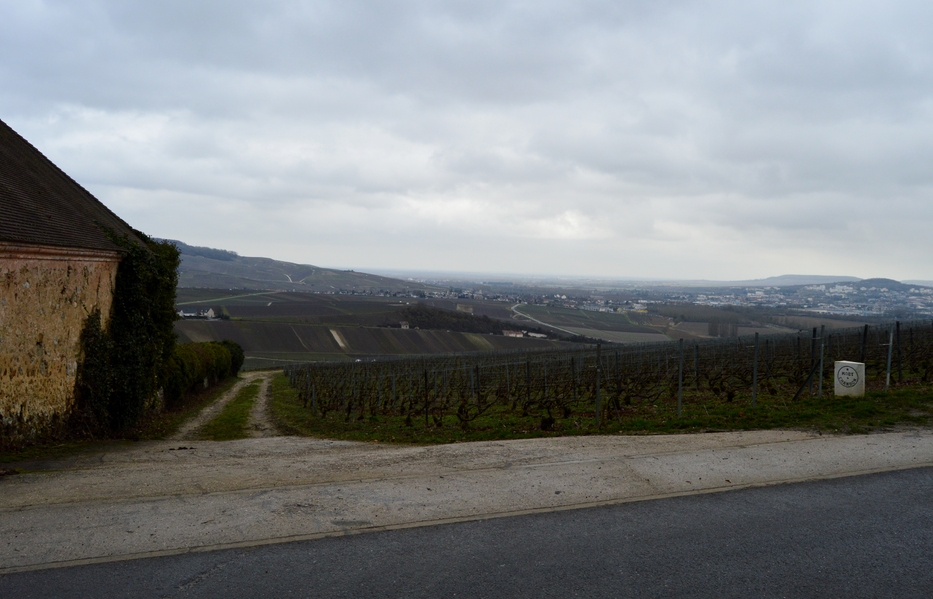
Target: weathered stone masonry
(58, 263)
(46, 294)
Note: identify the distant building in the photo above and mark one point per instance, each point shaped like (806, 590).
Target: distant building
(513, 333)
(202, 313)
(404, 324)
(57, 265)
(538, 335)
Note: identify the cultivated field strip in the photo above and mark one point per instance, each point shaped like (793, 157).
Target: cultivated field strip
(272, 343)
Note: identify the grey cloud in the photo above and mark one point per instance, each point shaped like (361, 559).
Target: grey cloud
(547, 130)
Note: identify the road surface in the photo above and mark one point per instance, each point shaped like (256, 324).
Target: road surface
(865, 536)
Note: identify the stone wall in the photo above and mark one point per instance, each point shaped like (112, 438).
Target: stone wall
(46, 295)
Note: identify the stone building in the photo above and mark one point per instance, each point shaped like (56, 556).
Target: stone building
(57, 265)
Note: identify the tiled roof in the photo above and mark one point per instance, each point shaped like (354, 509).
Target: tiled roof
(40, 204)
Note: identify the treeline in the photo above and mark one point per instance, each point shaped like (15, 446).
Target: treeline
(206, 252)
(423, 316)
(703, 313)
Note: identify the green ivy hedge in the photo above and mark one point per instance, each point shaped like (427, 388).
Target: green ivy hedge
(141, 326)
(194, 366)
(124, 365)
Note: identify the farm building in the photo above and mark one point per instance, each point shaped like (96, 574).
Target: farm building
(57, 265)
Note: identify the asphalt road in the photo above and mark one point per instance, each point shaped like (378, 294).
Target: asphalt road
(865, 536)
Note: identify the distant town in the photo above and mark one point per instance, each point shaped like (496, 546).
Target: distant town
(872, 298)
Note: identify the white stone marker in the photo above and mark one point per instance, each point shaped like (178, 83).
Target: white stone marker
(850, 379)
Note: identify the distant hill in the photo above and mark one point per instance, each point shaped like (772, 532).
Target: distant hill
(778, 281)
(889, 284)
(203, 267)
(571, 282)
(791, 280)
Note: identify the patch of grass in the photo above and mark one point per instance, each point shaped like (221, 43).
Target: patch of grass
(167, 422)
(876, 411)
(231, 422)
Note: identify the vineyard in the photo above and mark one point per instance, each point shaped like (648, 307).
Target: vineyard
(597, 385)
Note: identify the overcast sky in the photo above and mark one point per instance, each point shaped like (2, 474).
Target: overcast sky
(719, 140)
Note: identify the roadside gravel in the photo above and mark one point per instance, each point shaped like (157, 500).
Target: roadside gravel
(177, 496)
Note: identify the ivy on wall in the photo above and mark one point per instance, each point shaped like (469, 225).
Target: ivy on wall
(93, 381)
(141, 326)
(123, 366)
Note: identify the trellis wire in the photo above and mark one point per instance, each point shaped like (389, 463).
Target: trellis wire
(603, 381)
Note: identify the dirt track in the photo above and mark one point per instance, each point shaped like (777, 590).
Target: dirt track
(260, 421)
(189, 430)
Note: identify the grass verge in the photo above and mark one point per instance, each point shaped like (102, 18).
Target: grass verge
(154, 427)
(231, 422)
(167, 422)
(876, 411)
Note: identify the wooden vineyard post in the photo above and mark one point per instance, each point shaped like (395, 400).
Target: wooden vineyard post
(680, 381)
(508, 384)
(812, 356)
(696, 364)
(822, 343)
(864, 343)
(598, 369)
(573, 379)
(307, 385)
(527, 382)
(822, 346)
(425, 398)
(755, 375)
(887, 380)
(897, 341)
(545, 381)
